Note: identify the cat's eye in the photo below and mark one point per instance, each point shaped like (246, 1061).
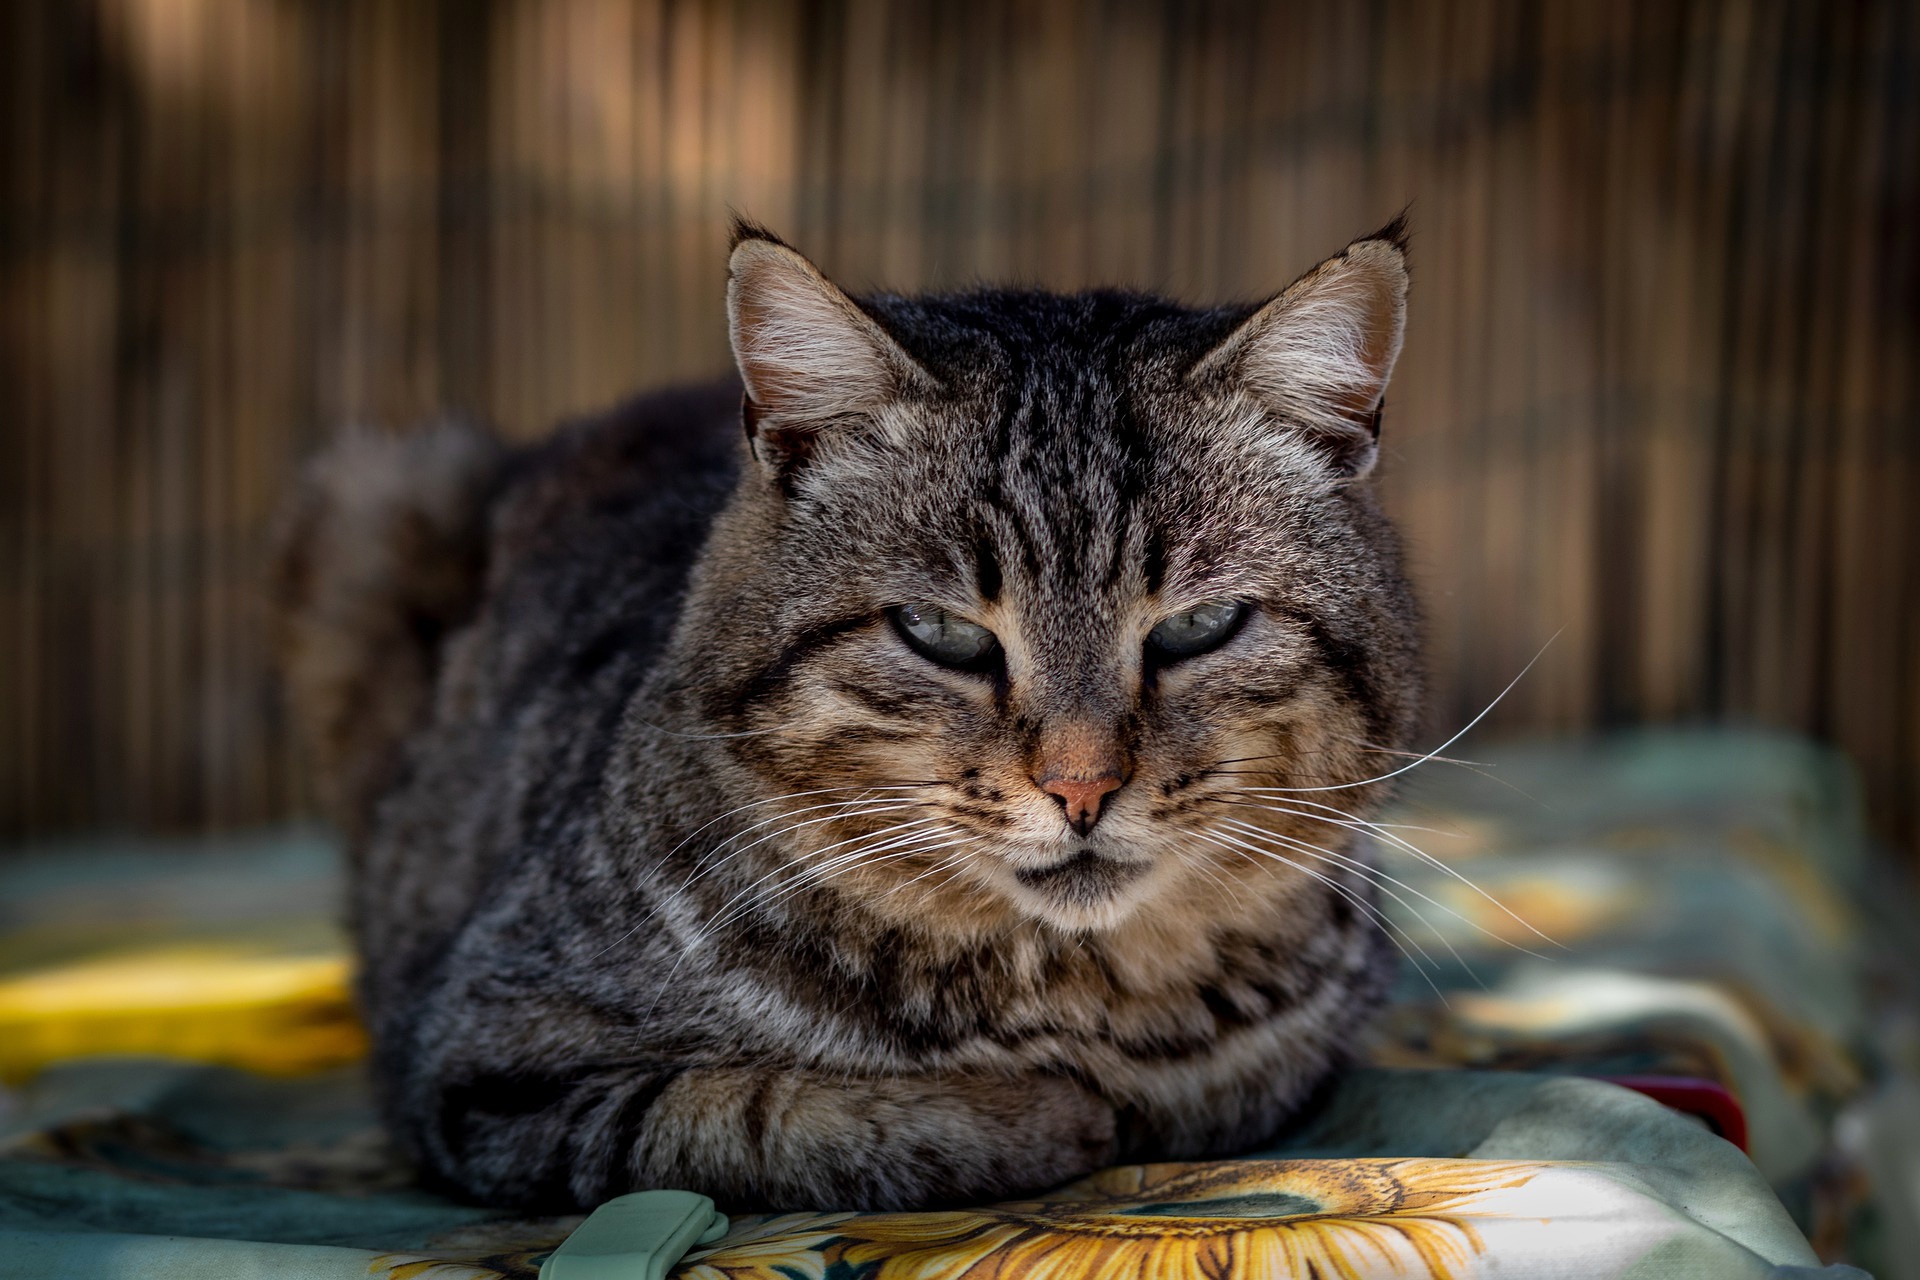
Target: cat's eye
(1194, 630)
(946, 638)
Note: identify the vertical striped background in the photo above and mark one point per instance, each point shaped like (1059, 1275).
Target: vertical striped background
(1659, 397)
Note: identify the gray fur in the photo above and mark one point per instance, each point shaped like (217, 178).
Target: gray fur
(600, 955)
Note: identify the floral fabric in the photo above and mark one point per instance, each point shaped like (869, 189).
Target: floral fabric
(129, 1169)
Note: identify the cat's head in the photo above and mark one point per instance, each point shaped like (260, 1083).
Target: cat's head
(1025, 595)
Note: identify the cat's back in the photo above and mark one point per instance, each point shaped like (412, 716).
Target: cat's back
(598, 526)
(463, 623)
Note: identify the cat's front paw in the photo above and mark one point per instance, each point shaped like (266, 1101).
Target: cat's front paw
(1052, 1130)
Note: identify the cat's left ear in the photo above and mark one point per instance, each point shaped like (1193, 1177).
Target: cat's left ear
(813, 362)
(1320, 354)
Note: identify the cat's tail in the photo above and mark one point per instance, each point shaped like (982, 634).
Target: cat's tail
(381, 553)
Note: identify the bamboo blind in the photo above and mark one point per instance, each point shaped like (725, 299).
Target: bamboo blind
(1659, 396)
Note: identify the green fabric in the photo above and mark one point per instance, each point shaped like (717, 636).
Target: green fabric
(54, 1255)
(1704, 890)
(112, 1166)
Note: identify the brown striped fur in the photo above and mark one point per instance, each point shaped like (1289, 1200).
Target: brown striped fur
(677, 866)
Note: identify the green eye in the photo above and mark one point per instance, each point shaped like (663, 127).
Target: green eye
(1194, 631)
(946, 638)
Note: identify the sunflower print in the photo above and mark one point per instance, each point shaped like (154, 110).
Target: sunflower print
(1239, 1220)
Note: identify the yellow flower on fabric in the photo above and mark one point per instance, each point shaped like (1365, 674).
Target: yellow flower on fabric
(408, 1266)
(790, 1246)
(1241, 1220)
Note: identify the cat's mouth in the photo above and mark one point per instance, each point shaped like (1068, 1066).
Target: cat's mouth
(1084, 879)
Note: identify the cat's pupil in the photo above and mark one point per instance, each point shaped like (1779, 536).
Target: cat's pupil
(946, 638)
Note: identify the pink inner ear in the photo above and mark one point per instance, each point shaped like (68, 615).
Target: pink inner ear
(770, 383)
(1323, 351)
(804, 350)
(1379, 345)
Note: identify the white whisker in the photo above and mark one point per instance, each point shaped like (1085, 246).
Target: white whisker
(853, 808)
(707, 864)
(947, 863)
(1380, 878)
(1199, 864)
(1387, 926)
(792, 795)
(811, 875)
(693, 944)
(1371, 749)
(1354, 823)
(863, 843)
(1463, 731)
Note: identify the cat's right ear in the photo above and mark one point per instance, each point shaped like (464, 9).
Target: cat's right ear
(1319, 355)
(811, 359)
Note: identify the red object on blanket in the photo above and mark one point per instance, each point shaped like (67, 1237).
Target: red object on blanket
(1690, 1095)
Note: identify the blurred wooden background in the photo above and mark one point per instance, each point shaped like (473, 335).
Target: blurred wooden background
(1659, 396)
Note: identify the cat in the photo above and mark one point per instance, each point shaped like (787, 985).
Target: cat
(920, 771)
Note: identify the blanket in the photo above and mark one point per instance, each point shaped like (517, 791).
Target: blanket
(1624, 960)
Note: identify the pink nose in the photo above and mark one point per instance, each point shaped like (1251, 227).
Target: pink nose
(1081, 797)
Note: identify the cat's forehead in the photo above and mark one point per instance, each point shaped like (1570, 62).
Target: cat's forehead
(994, 338)
(1075, 494)
(1062, 457)
(1052, 393)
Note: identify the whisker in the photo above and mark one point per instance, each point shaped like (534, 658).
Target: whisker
(1263, 773)
(1461, 733)
(947, 863)
(1374, 912)
(842, 809)
(1200, 865)
(712, 861)
(1355, 823)
(1370, 749)
(1468, 765)
(792, 795)
(897, 846)
(1480, 767)
(699, 939)
(1372, 825)
(1387, 926)
(708, 864)
(1275, 755)
(1379, 878)
(866, 838)
(853, 804)
(855, 848)
(812, 875)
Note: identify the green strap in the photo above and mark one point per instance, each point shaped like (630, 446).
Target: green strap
(635, 1237)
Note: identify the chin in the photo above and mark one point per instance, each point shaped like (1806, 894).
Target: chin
(1084, 891)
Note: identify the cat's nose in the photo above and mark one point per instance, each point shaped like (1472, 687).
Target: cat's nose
(1080, 762)
(1081, 797)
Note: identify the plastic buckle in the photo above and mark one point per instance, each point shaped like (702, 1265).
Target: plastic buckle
(635, 1237)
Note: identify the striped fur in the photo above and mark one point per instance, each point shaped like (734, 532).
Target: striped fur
(685, 870)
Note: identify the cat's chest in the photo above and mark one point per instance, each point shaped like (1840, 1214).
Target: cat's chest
(1024, 1004)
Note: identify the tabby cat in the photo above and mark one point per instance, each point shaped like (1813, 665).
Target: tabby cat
(941, 788)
